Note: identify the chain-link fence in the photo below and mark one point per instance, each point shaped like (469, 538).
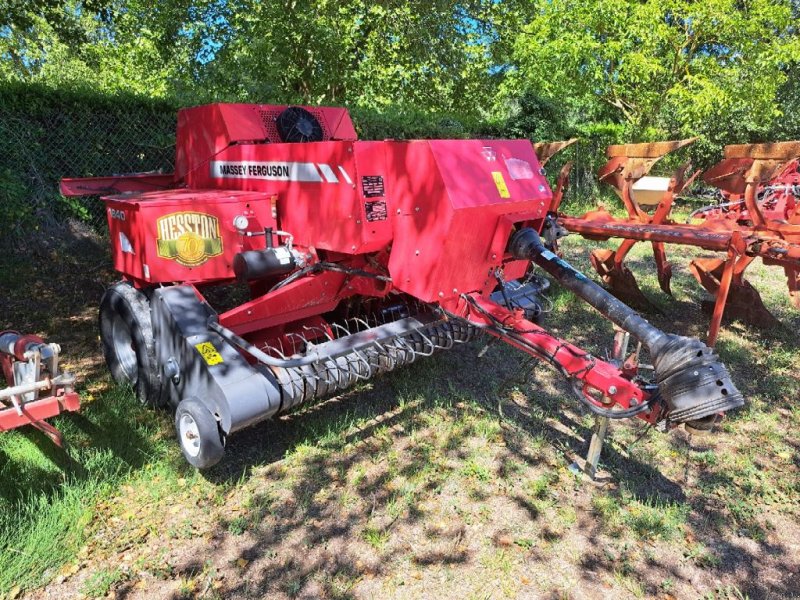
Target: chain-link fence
(53, 136)
(47, 135)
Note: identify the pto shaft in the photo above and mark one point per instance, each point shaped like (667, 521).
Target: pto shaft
(526, 244)
(692, 381)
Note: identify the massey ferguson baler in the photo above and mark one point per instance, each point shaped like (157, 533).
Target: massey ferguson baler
(360, 257)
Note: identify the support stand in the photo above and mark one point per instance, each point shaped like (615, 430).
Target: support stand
(595, 447)
(621, 340)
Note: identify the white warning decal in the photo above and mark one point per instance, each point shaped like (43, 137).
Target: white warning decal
(273, 171)
(330, 176)
(547, 255)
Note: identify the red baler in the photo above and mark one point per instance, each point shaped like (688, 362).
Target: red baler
(359, 257)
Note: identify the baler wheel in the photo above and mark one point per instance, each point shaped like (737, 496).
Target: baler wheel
(126, 331)
(198, 433)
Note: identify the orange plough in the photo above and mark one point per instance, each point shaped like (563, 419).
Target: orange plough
(759, 216)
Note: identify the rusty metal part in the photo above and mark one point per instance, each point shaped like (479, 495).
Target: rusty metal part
(782, 151)
(561, 186)
(627, 167)
(619, 279)
(648, 149)
(546, 150)
(629, 162)
(670, 234)
(793, 281)
(742, 302)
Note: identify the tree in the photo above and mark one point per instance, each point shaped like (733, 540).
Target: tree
(660, 67)
(435, 55)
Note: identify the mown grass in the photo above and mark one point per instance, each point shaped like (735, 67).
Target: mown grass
(48, 496)
(450, 475)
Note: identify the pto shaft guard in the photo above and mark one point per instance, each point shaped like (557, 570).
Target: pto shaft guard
(693, 383)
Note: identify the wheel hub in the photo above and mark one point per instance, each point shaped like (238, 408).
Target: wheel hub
(189, 435)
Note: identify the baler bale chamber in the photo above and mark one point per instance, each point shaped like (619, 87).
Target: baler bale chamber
(359, 257)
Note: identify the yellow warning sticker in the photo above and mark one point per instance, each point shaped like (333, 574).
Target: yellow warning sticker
(502, 188)
(209, 353)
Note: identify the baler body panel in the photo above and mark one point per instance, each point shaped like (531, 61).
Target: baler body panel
(318, 186)
(183, 235)
(203, 131)
(443, 205)
(456, 202)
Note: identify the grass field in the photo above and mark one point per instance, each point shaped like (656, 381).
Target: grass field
(448, 479)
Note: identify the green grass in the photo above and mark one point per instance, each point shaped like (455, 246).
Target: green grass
(651, 519)
(42, 532)
(48, 496)
(101, 582)
(377, 538)
(474, 470)
(422, 467)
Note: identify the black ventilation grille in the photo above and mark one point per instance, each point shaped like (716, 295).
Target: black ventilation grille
(269, 117)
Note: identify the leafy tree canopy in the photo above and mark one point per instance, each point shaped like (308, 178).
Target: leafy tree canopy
(722, 69)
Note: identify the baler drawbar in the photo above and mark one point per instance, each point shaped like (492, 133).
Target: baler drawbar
(358, 258)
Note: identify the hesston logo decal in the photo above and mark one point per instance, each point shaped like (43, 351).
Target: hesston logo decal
(188, 238)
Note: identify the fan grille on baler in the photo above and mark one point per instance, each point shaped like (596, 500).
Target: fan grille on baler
(269, 117)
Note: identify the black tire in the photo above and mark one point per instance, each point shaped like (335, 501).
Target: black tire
(126, 331)
(198, 434)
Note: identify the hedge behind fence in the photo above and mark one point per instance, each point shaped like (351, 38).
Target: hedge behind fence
(47, 134)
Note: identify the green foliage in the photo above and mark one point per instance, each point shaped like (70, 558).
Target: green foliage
(372, 124)
(661, 67)
(90, 87)
(375, 537)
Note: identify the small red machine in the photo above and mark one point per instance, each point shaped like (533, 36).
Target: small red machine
(359, 257)
(31, 370)
(758, 217)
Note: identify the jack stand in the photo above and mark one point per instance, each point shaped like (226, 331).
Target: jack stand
(595, 447)
(621, 340)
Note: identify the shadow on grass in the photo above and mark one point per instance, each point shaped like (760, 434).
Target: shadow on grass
(315, 543)
(320, 544)
(325, 538)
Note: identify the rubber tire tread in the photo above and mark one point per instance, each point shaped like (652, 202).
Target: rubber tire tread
(134, 309)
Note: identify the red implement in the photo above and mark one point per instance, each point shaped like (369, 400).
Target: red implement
(37, 390)
(355, 258)
(759, 217)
